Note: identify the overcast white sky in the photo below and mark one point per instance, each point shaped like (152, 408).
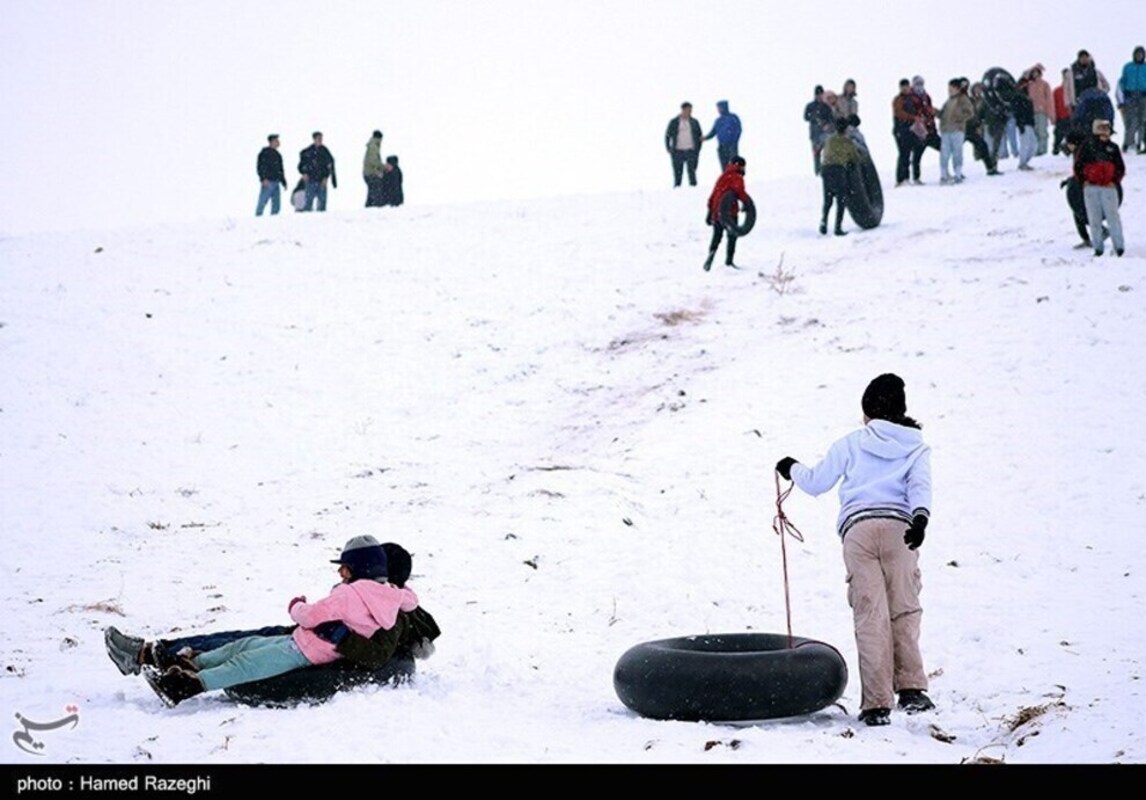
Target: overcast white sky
(133, 112)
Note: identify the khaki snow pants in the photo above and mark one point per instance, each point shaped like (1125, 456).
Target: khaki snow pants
(883, 591)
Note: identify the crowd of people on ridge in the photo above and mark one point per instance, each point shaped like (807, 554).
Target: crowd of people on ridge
(316, 170)
(1000, 117)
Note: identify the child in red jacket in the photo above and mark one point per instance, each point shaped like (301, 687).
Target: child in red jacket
(731, 180)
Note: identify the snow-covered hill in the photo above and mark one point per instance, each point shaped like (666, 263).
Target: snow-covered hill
(573, 429)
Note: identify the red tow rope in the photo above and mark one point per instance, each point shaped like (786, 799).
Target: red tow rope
(784, 528)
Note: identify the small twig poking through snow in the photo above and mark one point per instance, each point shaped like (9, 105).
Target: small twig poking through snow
(780, 280)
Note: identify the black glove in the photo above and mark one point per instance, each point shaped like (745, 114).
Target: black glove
(784, 467)
(913, 536)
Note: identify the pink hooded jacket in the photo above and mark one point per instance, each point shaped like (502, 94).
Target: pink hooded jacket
(364, 605)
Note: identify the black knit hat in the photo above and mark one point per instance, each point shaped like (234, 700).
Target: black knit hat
(398, 563)
(884, 398)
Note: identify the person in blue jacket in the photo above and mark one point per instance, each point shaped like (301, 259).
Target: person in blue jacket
(726, 131)
(884, 473)
(1133, 85)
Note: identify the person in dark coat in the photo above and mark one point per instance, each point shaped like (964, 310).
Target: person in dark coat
(912, 125)
(819, 116)
(683, 139)
(271, 177)
(391, 193)
(316, 165)
(976, 127)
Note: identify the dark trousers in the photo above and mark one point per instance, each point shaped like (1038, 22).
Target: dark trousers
(680, 159)
(717, 234)
(374, 190)
(1061, 129)
(910, 154)
(726, 152)
(982, 149)
(203, 642)
(835, 179)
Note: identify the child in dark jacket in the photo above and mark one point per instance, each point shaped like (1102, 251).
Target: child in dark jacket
(392, 194)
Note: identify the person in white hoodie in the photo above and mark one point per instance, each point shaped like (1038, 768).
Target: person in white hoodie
(885, 505)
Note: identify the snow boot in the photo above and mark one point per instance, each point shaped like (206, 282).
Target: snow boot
(915, 700)
(175, 685)
(875, 716)
(123, 650)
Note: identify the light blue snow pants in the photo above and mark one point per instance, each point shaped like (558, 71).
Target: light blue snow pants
(1102, 203)
(250, 659)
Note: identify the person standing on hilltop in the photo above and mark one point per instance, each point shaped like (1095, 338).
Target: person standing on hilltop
(1098, 166)
(373, 169)
(271, 176)
(953, 119)
(683, 139)
(316, 165)
(726, 129)
(819, 116)
(840, 155)
(1133, 83)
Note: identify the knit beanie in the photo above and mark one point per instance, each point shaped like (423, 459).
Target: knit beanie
(398, 563)
(884, 398)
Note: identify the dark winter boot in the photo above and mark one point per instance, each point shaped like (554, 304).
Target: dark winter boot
(824, 227)
(915, 700)
(840, 232)
(123, 650)
(175, 685)
(875, 716)
(158, 656)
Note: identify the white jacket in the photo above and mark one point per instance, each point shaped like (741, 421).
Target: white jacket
(886, 471)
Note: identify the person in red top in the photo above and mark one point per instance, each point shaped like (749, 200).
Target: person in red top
(1099, 167)
(1061, 117)
(731, 180)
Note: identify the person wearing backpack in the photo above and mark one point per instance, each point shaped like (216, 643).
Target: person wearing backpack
(1098, 166)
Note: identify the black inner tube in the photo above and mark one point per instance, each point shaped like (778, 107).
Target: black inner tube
(729, 220)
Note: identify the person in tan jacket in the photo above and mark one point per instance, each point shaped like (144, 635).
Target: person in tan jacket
(1042, 97)
(953, 118)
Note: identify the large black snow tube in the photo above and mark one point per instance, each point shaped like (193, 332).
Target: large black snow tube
(732, 677)
(1000, 90)
(865, 194)
(730, 221)
(317, 684)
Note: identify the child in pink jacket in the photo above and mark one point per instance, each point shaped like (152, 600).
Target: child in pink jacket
(364, 602)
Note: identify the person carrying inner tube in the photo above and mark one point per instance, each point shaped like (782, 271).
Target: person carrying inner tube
(840, 154)
(885, 501)
(731, 180)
